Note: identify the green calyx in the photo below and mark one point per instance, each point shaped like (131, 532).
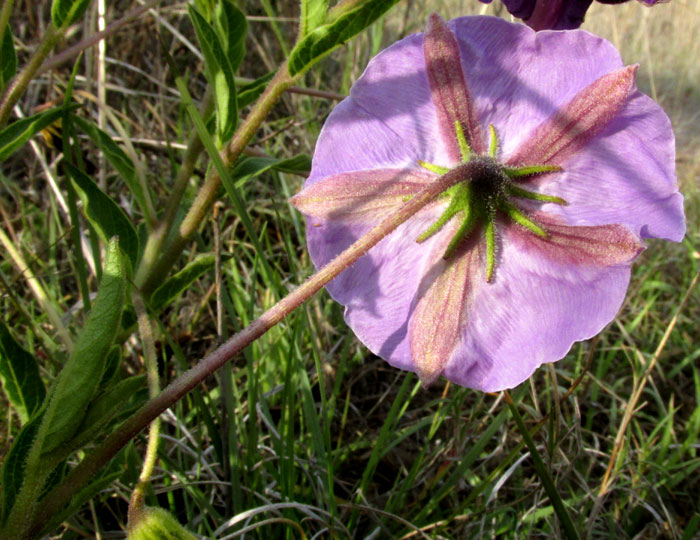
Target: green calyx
(478, 200)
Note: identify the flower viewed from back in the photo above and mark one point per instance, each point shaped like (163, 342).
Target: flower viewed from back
(556, 14)
(567, 168)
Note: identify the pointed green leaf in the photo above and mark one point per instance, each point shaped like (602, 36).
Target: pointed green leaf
(174, 285)
(65, 12)
(106, 406)
(13, 137)
(112, 472)
(313, 13)
(13, 468)
(231, 26)
(220, 75)
(249, 92)
(20, 378)
(8, 59)
(347, 20)
(79, 379)
(116, 156)
(106, 215)
(251, 167)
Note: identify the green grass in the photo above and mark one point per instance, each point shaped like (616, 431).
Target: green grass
(309, 435)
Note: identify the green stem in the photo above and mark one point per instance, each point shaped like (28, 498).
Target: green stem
(19, 84)
(150, 359)
(152, 276)
(101, 455)
(554, 497)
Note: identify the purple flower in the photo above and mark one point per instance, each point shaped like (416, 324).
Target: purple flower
(570, 168)
(556, 14)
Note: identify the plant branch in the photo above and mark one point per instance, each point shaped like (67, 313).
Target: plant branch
(208, 192)
(86, 470)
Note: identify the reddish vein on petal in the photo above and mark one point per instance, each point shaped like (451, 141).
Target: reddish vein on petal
(361, 196)
(448, 87)
(443, 299)
(578, 121)
(602, 245)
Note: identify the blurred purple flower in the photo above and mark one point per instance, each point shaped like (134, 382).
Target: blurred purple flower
(556, 14)
(571, 168)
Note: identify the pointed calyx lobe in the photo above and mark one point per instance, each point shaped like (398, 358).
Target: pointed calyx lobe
(449, 90)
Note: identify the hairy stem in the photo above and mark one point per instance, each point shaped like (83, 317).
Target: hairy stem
(207, 194)
(86, 470)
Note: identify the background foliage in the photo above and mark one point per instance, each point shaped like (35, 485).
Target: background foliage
(307, 434)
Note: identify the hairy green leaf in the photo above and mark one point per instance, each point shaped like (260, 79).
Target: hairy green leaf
(13, 137)
(116, 156)
(347, 19)
(231, 26)
(220, 75)
(13, 468)
(313, 13)
(8, 59)
(79, 379)
(65, 12)
(106, 215)
(20, 378)
(102, 410)
(174, 285)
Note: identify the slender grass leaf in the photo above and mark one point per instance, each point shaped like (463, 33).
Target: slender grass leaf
(13, 468)
(13, 137)
(117, 157)
(106, 215)
(250, 167)
(65, 12)
(19, 375)
(220, 75)
(349, 20)
(249, 92)
(313, 13)
(174, 285)
(8, 64)
(231, 25)
(79, 379)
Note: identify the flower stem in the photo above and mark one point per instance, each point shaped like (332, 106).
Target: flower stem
(207, 193)
(86, 470)
(19, 84)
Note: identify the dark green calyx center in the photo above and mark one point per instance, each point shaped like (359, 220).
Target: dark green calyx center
(486, 192)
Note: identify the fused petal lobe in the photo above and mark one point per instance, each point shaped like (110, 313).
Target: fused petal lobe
(360, 196)
(449, 89)
(575, 124)
(443, 303)
(601, 245)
